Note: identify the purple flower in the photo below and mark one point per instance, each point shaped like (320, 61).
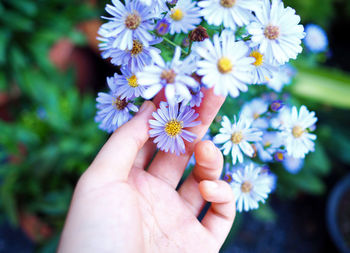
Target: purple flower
(112, 111)
(197, 96)
(162, 27)
(169, 125)
(276, 105)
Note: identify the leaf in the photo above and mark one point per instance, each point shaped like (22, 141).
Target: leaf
(265, 213)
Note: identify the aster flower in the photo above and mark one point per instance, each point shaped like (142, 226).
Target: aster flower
(174, 76)
(136, 58)
(125, 85)
(112, 111)
(283, 76)
(253, 111)
(250, 186)
(276, 31)
(225, 64)
(263, 70)
(267, 146)
(316, 38)
(295, 132)
(197, 96)
(184, 17)
(158, 6)
(129, 22)
(293, 165)
(230, 13)
(236, 137)
(169, 127)
(162, 27)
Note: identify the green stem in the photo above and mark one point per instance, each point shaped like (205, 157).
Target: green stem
(174, 44)
(190, 47)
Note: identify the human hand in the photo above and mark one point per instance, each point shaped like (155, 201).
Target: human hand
(118, 206)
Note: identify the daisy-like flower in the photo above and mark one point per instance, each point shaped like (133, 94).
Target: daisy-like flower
(254, 110)
(197, 96)
(316, 38)
(295, 132)
(225, 64)
(236, 137)
(169, 127)
(268, 146)
(125, 85)
(129, 22)
(184, 17)
(112, 111)
(283, 76)
(250, 186)
(159, 6)
(263, 70)
(230, 13)
(174, 76)
(136, 58)
(276, 31)
(293, 165)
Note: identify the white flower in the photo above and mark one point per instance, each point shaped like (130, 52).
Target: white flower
(230, 13)
(254, 110)
(158, 6)
(316, 38)
(184, 17)
(276, 31)
(283, 76)
(268, 145)
(250, 186)
(225, 64)
(236, 137)
(293, 165)
(263, 70)
(295, 132)
(173, 76)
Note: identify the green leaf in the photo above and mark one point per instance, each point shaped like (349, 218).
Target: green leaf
(265, 213)
(318, 161)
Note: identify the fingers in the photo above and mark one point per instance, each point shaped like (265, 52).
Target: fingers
(169, 167)
(219, 218)
(209, 163)
(117, 156)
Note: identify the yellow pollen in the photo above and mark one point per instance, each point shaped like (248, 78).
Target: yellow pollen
(132, 81)
(176, 14)
(133, 21)
(137, 47)
(168, 75)
(280, 156)
(256, 115)
(225, 65)
(227, 3)
(236, 137)
(259, 58)
(272, 32)
(173, 128)
(246, 187)
(120, 104)
(297, 131)
(267, 144)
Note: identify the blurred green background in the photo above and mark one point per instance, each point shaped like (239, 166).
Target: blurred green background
(50, 71)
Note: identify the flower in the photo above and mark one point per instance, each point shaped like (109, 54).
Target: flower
(125, 85)
(293, 165)
(250, 186)
(227, 12)
(254, 110)
(283, 76)
(263, 70)
(169, 125)
(316, 38)
(197, 96)
(112, 111)
(136, 58)
(224, 64)
(184, 17)
(236, 137)
(295, 132)
(129, 22)
(276, 32)
(174, 76)
(162, 27)
(276, 105)
(267, 146)
(198, 34)
(158, 6)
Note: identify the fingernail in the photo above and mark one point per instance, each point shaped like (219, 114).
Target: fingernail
(211, 185)
(147, 105)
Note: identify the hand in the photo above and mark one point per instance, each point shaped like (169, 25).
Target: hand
(118, 206)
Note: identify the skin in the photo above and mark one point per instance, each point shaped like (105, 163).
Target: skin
(118, 206)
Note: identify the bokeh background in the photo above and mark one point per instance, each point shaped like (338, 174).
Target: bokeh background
(50, 73)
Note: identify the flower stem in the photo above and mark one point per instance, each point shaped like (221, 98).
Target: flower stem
(174, 44)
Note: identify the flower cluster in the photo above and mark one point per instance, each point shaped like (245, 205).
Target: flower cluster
(181, 47)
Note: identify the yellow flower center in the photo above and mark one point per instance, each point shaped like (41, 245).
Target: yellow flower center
(173, 127)
(297, 131)
(168, 75)
(225, 65)
(120, 104)
(137, 47)
(132, 81)
(256, 115)
(227, 3)
(246, 187)
(259, 58)
(237, 137)
(272, 32)
(176, 14)
(280, 156)
(132, 21)
(267, 144)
